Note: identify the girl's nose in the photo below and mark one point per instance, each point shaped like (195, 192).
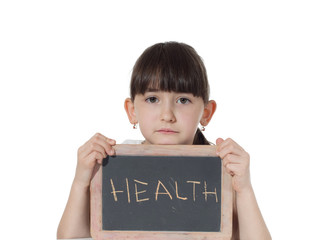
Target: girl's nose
(167, 114)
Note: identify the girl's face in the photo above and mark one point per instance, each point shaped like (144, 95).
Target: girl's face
(168, 117)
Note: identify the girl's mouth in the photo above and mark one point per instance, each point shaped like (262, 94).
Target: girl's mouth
(166, 131)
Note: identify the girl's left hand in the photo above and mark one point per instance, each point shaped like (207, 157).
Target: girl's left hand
(236, 161)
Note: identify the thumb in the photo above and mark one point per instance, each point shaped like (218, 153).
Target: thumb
(219, 141)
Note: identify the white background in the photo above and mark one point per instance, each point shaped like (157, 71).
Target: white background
(65, 69)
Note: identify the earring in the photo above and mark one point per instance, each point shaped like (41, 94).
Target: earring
(203, 128)
(135, 126)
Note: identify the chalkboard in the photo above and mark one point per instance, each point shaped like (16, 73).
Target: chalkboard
(161, 192)
(157, 193)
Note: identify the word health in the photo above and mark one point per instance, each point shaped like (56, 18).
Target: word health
(143, 193)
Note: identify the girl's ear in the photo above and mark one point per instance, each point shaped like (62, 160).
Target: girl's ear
(129, 107)
(208, 112)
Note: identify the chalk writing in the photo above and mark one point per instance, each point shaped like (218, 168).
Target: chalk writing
(161, 189)
(177, 194)
(136, 192)
(157, 191)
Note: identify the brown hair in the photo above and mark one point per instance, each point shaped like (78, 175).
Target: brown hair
(171, 66)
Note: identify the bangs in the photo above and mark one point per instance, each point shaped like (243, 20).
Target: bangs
(170, 67)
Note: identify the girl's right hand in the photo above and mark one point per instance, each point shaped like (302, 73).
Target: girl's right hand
(90, 154)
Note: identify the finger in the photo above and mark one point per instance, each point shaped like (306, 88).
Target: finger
(100, 160)
(93, 158)
(109, 140)
(231, 159)
(84, 147)
(232, 142)
(234, 169)
(104, 138)
(101, 140)
(219, 141)
(230, 147)
(232, 151)
(229, 171)
(107, 143)
(92, 147)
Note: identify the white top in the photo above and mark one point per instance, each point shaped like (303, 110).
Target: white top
(76, 239)
(128, 141)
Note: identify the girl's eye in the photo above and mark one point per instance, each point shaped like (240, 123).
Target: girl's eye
(183, 100)
(152, 100)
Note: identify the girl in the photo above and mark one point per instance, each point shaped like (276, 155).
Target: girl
(169, 98)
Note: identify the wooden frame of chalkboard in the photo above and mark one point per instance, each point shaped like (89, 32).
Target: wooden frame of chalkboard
(196, 151)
